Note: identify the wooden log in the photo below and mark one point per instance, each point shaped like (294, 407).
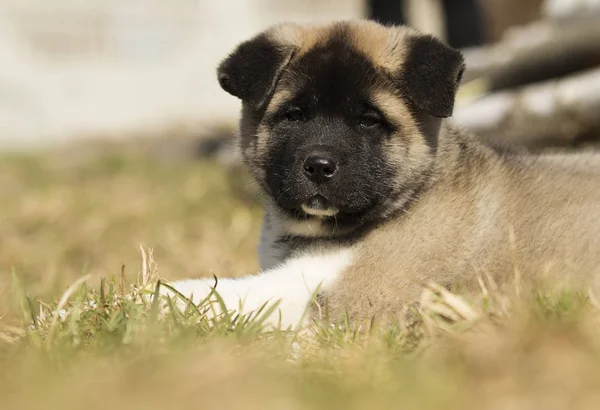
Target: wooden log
(537, 52)
(554, 113)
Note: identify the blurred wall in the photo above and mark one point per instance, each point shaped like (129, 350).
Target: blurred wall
(87, 68)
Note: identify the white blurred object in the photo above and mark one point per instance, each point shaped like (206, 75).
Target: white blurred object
(74, 69)
(564, 9)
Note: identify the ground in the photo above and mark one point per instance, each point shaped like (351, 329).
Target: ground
(68, 340)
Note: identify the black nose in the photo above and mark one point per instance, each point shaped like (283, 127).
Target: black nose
(319, 168)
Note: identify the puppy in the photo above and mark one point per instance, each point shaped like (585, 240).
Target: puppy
(372, 192)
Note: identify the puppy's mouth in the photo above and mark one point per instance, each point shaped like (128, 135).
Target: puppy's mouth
(320, 207)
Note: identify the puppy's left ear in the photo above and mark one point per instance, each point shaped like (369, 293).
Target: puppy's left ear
(251, 71)
(431, 74)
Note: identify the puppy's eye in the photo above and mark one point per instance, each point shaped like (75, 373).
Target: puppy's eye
(369, 120)
(294, 114)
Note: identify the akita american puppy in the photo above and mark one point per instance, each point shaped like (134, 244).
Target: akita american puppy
(371, 191)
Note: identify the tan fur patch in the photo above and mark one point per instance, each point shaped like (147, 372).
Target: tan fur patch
(385, 46)
(280, 96)
(302, 38)
(395, 110)
(287, 34)
(407, 150)
(312, 37)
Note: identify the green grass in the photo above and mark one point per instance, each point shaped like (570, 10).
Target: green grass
(64, 216)
(80, 329)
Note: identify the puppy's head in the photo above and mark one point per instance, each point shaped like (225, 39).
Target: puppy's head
(339, 122)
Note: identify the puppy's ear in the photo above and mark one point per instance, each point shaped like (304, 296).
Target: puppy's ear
(431, 74)
(251, 71)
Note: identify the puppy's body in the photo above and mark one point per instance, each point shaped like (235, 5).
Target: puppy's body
(371, 193)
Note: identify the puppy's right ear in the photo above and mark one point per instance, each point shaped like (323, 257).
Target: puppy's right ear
(431, 75)
(252, 70)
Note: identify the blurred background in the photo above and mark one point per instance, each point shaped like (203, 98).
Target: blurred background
(114, 131)
(73, 69)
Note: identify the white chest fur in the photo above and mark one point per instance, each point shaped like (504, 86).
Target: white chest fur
(292, 283)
